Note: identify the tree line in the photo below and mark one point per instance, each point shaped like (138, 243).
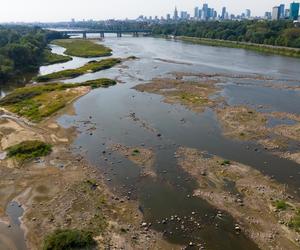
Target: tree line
(279, 33)
(21, 49)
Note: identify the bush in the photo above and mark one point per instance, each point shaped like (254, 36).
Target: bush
(280, 204)
(66, 239)
(28, 150)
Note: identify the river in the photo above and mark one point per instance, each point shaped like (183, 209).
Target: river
(171, 192)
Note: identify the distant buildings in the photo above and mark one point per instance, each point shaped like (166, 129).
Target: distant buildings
(279, 12)
(206, 13)
(248, 13)
(268, 15)
(294, 11)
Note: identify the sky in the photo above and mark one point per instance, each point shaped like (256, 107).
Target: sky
(64, 10)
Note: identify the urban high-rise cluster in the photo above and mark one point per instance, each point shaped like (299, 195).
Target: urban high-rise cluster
(207, 13)
(279, 12)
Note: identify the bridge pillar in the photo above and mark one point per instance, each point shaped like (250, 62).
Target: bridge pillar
(135, 34)
(102, 34)
(84, 35)
(119, 34)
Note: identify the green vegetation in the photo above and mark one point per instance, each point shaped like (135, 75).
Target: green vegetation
(295, 222)
(281, 205)
(284, 51)
(52, 58)
(225, 163)
(22, 49)
(92, 66)
(29, 150)
(135, 152)
(238, 34)
(68, 239)
(37, 102)
(99, 83)
(83, 48)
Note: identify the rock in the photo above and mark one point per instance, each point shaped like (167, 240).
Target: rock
(191, 244)
(159, 135)
(144, 224)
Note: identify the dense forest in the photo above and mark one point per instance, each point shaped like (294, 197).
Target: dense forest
(280, 33)
(22, 49)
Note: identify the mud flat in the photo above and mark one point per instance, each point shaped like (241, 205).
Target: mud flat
(61, 190)
(193, 94)
(141, 156)
(262, 207)
(247, 124)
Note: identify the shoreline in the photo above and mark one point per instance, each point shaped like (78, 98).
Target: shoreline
(261, 48)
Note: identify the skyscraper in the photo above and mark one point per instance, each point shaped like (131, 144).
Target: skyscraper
(223, 13)
(275, 13)
(205, 11)
(281, 11)
(196, 13)
(294, 11)
(175, 14)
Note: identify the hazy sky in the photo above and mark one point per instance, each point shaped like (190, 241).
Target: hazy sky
(64, 10)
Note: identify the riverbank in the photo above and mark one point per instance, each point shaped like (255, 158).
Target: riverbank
(55, 190)
(278, 50)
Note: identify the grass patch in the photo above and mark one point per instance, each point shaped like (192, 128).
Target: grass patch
(68, 239)
(52, 58)
(37, 102)
(295, 222)
(281, 205)
(225, 163)
(83, 48)
(193, 98)
(90, 67)
(29, 150)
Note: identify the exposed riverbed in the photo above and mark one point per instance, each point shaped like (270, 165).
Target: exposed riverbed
(122, 115)
(168, 194)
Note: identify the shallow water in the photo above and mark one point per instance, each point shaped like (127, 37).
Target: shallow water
(168, 194)
(12, 237)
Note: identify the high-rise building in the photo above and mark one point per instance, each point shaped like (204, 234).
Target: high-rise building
(281, 11)
(248, 13)
(205, 11)
(275, 13)
(196, 12)
(175, 17)
(223, 13)
(168, 17)
(294, 11)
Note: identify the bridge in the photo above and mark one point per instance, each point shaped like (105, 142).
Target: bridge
(135, 32)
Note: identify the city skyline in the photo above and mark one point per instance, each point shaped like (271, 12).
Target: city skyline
(13, 10)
